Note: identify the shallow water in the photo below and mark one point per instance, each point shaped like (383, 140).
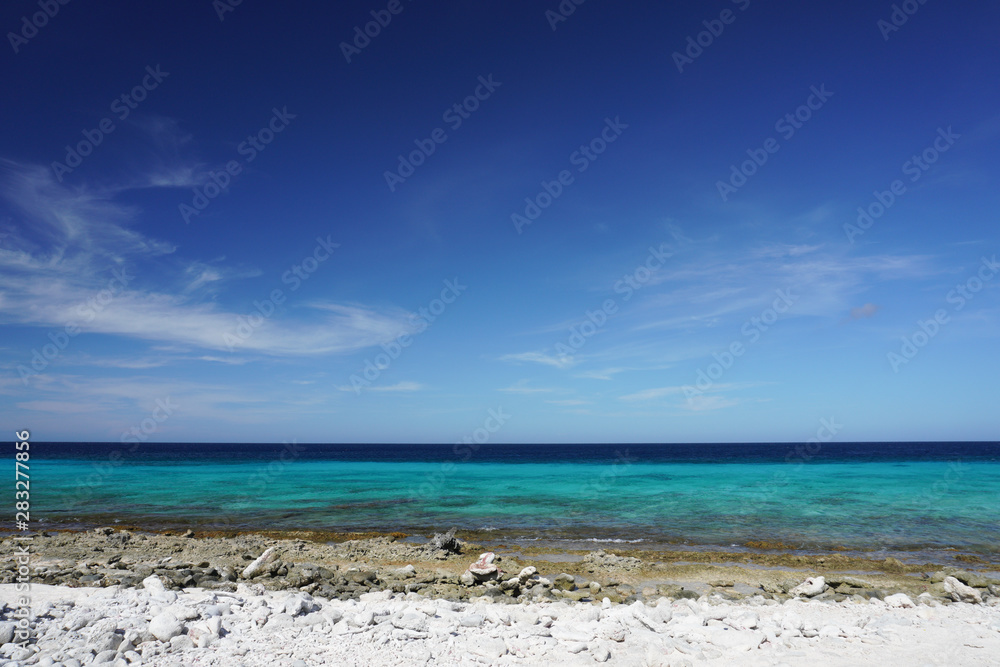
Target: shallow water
(869, 497)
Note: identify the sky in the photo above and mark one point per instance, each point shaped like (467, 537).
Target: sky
(394, 221)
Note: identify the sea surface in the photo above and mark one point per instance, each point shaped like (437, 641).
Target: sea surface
(909, 500)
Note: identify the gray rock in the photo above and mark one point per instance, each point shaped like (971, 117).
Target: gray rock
(446, 542)
(181, 643)
(107, 642)
(7, 632)
(104, 657)
(565, 582)
(407, 571)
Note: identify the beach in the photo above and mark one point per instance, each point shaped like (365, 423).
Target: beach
(310, 599)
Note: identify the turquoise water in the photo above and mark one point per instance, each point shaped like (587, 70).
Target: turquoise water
(639, 496)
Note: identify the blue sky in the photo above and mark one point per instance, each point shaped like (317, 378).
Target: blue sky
(199, 240)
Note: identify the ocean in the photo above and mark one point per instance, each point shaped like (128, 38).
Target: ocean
(913, 500)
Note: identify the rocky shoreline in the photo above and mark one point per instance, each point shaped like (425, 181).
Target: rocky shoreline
(319, 577)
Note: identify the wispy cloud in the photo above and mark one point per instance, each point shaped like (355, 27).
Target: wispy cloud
(568, 402)
(399, 386)
(651, 394)
(521, 387)
(540, 358)
(73, 240)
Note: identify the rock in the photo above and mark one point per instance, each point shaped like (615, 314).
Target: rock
(484, 569)
(108, 641)
(201, 635)
(407, 571)
(899, 600)
(154, 585)
(181, 643)
(488, 648)
(446, 542)
(471, 621)
(810, 587)
(959, 592)
(6, 633)
(527, 573)
(165, 627)
(256, 567)
(468, 579)
(564, 582)
(415, 621)
(298, 604)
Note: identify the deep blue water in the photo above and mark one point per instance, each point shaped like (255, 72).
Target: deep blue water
(886, 498)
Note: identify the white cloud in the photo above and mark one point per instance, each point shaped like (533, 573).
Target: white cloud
(72, 241)
(521, 387)
(399, 386)
(650, 394)
(540, 358)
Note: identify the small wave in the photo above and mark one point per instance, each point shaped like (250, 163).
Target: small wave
(613, 540)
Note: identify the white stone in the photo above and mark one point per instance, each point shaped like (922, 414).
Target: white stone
(809, 588)
(255, 567)
(959, 592)
(165, 627)
(899, 601)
